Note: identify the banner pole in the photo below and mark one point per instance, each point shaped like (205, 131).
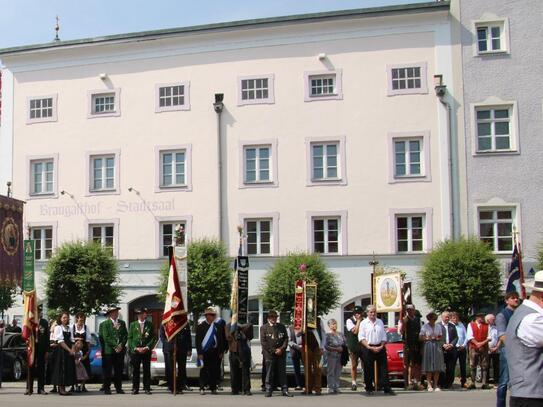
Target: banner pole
(174, 364)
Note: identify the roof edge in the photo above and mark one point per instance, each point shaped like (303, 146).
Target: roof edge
(259, 22)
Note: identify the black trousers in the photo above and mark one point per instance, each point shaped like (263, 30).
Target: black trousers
(181, 379)
(276, 366)
(494, 362)
(210, 373)
(240, 372)
(112, 366)
(40, 369)
(461, 356)
(137, 360)
(382, 370)
(525, 402)
(296, 363)
(446, 379)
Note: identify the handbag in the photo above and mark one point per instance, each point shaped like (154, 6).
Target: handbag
(344, 355)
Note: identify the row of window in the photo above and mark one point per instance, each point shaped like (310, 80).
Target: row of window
(256, 89)
(326, 158)
(328, 235)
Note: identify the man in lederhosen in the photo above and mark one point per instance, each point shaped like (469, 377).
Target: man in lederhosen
(210, 346)
(113, 334)
(141, 341)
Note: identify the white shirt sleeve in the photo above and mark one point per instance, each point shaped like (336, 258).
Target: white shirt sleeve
(58, 334)
(350, 325)
(469, 335)
(530, 330)
(361, 332)
(383, 333)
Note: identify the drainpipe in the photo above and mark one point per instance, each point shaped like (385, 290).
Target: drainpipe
(441, 91)
(218, 106)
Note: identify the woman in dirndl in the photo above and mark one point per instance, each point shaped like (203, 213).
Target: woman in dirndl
(64, 369)
(432, 352)
(81, 334)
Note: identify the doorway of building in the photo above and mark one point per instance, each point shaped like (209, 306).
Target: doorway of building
(155, 307)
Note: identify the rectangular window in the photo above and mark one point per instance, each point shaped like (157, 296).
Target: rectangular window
(322, 85)
(172, 168)
(489, 38)
(103, 235)
(43, 242)
(257, 164)
(496, 228)
(326, 235)
(324, 161)
(407, 78)
(410, 233)
(259, 234)
(103, 103)
(41, 108)
(493, 128)
(42, 177)
(102, 173)
(253, 316)
(167, 235)
(407, 157)
(254, 89)
(171, 96)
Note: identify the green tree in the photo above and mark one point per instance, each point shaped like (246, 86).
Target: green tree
(8, 290)
(209, 276)
(83, 277)
(461, 275)
(278, 284)
(540, 257)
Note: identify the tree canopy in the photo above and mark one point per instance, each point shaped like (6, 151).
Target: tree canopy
(278, 284)
(82, 276)
(461, 275)
(209, 276)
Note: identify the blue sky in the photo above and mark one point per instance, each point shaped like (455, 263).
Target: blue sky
(24, 22)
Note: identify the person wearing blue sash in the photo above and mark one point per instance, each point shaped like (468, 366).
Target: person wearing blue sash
(210, 343)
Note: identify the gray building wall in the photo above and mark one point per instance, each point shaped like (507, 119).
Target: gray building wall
(496, 178)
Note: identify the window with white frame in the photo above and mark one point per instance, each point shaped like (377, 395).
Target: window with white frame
(257, 164)
(324, 161)
(41, 108)
(173, 96)
(490, 37)
(167, 235)
(326, 235)
(493, 127)
(42, 177)
(408, 157)
(102, 168)
(104, 103)
(323, 85)
(259, 236)
(406, 78)
(103, 234)
(43, 242)
(173, 168)
(254, 89)
(410, 233)
(496, 228)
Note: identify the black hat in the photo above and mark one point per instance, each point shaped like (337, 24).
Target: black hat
(272, 313)
(358, 309)
(141, 310)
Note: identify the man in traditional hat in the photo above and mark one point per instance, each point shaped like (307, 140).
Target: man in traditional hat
(478, 337)
(113, 334)
(274, 341)
(355, 351)
(141, 341)
(210, 344)
(524, 348)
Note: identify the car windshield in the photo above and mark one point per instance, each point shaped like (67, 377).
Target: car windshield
(394, 337)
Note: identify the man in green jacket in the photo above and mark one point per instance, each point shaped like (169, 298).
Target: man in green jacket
(113, 336)
(141, 340)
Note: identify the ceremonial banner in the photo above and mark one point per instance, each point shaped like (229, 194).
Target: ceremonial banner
(30, 324)
(243, 288)
(11, 239)
(28, 265)
(311, 305)
(299, 302)
(407, 294)
(175, 313)
(182, 271)
(388, 292)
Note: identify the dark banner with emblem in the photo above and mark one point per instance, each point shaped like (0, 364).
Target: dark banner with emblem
(243, 288)
(11, 240)
(311, 305)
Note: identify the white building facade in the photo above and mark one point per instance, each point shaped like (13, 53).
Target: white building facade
(332, 140)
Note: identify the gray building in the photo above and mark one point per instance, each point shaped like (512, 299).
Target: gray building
(502, 63)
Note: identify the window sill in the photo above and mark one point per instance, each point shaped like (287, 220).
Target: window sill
(324, 97)
(256, 102)
(103, 192)
(52, 195)
(109, 114)
(46, 120)
(490, 53)
(327, 182)
(262, 184)
(172, 109)
(495, 152)
(411, 252)
(411, 178)
(176, 188)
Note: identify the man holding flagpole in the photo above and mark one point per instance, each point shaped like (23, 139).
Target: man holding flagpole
(210, 343)
(174, 318)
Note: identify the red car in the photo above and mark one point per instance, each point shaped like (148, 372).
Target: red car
(394, 348)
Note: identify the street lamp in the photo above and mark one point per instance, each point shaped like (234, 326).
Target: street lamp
(438, 86)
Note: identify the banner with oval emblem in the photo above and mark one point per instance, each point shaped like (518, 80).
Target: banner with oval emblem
(388, 292)
(11, 239)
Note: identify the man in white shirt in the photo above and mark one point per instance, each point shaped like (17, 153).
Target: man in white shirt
(373, 337)
(493, 348)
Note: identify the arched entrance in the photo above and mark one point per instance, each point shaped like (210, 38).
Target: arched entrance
(155, 307)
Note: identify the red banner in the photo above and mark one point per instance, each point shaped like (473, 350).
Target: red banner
(175, 314)
(299, 305)
(11, 240)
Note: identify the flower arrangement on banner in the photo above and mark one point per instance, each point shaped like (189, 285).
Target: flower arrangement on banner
(179, 236)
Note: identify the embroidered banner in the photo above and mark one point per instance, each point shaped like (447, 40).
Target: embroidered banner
(11, 240)
(299, 305)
